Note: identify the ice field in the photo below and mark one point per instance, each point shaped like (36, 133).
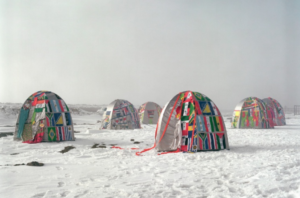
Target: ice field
(260, 163)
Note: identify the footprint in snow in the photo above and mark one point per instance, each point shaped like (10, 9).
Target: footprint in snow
(39, 195)
(82, 194)
(59, 168)
(64, 194)
(61, 184)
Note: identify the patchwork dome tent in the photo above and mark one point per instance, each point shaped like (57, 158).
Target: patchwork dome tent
(149, 113)
(120, 114)
(279, 116)
(44, 116)
(252, 112)
(190, 122)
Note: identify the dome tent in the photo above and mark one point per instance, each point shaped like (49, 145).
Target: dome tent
(44, 116)
(120, 114)
(149, 113)
(190, 122)
(252, 112)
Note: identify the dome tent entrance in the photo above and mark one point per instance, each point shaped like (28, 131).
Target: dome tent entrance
(279, 116)
(149, 113)
(252, 112)
(120, 114)
(44, 116)
(190, 122)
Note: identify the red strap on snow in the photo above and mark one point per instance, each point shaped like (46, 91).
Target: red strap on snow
(148, 149)
(117, 147)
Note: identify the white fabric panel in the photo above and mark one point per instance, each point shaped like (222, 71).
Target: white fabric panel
(167, 143)
(110, 108)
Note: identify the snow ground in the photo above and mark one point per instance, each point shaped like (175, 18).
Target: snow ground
(260, 163)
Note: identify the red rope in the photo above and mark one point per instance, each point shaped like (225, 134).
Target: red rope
(117, 147)
(148, 149)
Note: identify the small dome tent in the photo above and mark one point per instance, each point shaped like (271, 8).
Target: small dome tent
(279, 116)
(190, 122)
(252, 112)
(44, 116)
(120, 114)
(149, 113)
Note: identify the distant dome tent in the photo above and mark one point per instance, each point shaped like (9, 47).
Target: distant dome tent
(44, 116)
(254, 113)
(190, 122)
(279, 116)
(120, 114)
(149, 113)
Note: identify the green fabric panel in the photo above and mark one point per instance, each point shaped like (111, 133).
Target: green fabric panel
(22, 119)
(38, 110)
(218, 142)
(215, 124)
(51, 134)
(211, 124)
(33, 117)
(184, 118)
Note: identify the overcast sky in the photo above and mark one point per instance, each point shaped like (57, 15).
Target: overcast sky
(92, 52)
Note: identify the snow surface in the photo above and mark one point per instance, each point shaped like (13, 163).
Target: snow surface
(260, 163)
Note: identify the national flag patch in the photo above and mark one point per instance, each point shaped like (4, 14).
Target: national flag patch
(207, 123)
(59, 119)
(63, 106)
(60, 133)
(203, 141)
(50, 119)
(51, 134)
(200, 123)
(55, 106)
(68, 119)
(198, 96)
(68, 132)
(185, 109)
(206, 109)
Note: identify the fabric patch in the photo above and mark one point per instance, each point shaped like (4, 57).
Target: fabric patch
(55, 106)
(68, 133)
(221, 141)
(50, 119)
(22, 120)
(203, 141)
(27, 133)
(68, 119)
(48, 107)
(51, 134)
(150, 113)
(219, 122)
(200, 123)
(38, 137)
(59, 121)
(60, 133)
(207, 123)
(206, 109)
(198, 96)
(215, 108)
(33, 118)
